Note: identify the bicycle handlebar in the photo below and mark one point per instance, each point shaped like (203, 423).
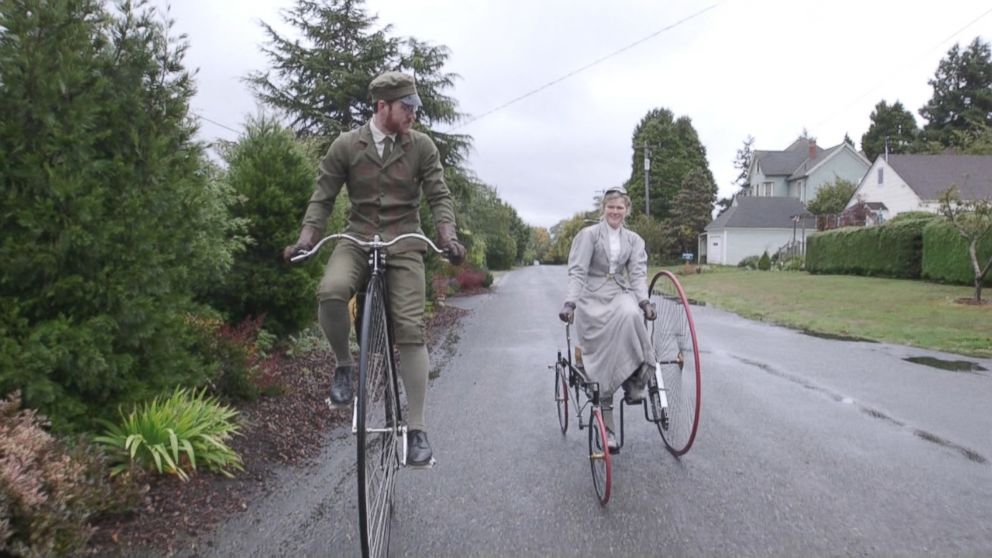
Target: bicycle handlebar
(375, 243)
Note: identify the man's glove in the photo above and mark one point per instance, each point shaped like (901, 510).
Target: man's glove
(567, 312)
(448, 240)
(649, 312)
(307, 240)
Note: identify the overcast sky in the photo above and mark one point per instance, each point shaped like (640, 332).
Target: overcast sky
(768, 68)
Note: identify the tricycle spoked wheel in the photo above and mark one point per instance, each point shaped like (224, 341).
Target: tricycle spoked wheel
(561, 396)
(674, 392)
(599, 456)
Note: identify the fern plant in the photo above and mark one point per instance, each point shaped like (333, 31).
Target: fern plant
(171, 435)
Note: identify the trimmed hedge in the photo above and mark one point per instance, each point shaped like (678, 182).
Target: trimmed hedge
(890, 250)
(945, 255)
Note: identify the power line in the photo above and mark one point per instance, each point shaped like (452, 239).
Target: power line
(214, 122)
(583, 68)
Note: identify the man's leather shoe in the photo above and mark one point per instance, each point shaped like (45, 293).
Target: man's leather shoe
(418, 449)
(341, 388)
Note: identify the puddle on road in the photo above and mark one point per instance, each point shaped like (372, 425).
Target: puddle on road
(836, 336)
(952, 365)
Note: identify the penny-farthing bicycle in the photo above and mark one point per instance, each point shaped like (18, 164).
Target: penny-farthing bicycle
(673, 400)
(377, 421)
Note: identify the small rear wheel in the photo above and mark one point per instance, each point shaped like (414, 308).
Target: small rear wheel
(561, 396)
(599, 456)
(673, 388)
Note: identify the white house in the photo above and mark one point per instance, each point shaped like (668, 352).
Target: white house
(899, 183)
(802, 168)
(753, 225)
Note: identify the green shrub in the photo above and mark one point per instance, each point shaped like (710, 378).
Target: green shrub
(797, 263)
(273, 177)
(890, 250)
(764, 263)
(913, 216)
(750, 262)
(175, 435)
(945, 255)
(111, 218)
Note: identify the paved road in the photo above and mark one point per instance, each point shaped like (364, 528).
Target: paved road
(807, 446)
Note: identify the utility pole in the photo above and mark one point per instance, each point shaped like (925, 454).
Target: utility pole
(647, 180)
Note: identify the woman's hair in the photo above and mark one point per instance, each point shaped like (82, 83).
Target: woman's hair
(614, 193)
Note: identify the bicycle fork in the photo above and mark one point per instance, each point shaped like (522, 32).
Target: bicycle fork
(659, 405)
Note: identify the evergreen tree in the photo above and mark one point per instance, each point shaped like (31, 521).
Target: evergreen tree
(692, 209)
(321, 78)
(742, 163)
(110, 219)
(962, 93)
(675, 152)
(273, 176)
(893, 124)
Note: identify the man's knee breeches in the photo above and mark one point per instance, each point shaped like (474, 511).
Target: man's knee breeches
(347, 272)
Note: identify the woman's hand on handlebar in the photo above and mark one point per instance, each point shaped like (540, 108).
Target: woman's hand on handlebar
(650, 314)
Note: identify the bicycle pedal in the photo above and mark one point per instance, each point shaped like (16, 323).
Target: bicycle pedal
(429, 465)
(333, 406)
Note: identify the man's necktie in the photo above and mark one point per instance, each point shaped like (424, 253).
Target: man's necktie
(387, 146)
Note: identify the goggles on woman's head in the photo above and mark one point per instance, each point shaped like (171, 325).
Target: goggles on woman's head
(615, 190)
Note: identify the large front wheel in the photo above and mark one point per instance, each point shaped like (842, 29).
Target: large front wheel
(673, 386)
(377, 424)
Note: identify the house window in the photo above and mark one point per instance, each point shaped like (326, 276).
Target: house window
(881, 175)
(766, 189)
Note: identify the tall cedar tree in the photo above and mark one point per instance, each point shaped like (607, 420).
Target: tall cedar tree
(675, 152)
(962, 94)
(894, 124)
(321, 79)
(109, 220)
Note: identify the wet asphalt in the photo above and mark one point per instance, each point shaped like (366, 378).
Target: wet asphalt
(806, 446)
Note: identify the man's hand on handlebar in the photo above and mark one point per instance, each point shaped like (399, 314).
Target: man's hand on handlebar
(455, 252)
(448, 240)
(567, 313)
(307, 240)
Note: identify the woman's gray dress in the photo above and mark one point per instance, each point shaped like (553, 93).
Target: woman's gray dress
(608, 320)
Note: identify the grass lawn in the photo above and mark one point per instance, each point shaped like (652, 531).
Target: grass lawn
(900, 311)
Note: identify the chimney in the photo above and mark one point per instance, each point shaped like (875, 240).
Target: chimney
(812, 148)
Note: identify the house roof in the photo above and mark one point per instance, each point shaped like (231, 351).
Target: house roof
(808, 164)
(786, 162)
(759, 213)
(931, 175)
